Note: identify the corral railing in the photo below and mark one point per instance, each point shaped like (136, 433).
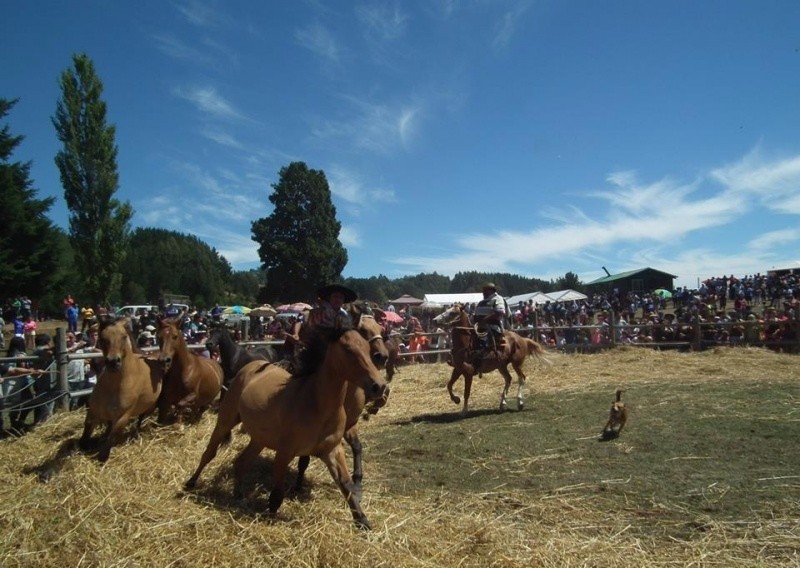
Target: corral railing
(70, 384)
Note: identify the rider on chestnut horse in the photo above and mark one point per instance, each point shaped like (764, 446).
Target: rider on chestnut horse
(490, 317)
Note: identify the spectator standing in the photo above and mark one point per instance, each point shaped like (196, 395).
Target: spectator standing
(29, 330)
(72, 318)
(19, 328)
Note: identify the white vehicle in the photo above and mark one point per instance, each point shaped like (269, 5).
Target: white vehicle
(136, 310)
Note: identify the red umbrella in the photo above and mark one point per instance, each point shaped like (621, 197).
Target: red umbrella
(393, 317)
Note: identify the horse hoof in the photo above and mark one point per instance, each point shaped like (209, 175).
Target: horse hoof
(455, 399)
(503, 406)
(363, 524)
(191, 484)
(520, 405)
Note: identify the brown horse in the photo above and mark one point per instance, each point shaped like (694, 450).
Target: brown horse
(128, 387)
(191, 381)
(300, 415)
(463, 350)
(355, 399)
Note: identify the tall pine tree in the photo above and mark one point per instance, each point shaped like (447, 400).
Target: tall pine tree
(99, 224)
(28, 240)
(299, 243)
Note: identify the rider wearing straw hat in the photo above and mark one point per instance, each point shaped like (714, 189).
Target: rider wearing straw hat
(490, 314)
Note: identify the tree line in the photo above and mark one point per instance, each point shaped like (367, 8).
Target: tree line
(101, 260)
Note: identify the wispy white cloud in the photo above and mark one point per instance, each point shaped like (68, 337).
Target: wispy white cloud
(768, 241)
(208, 101)
(223, 139)
(177, 49)
(375, 127)
(350, 236)
(200, 13)
(508, 24)
(640, 224)
(347, 186)
(318, 39)
(382, 22)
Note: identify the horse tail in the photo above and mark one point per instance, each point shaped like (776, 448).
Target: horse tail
(536, 350)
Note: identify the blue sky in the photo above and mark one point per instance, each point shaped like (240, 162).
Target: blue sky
(530, 137)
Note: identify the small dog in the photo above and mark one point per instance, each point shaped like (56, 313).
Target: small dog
(617, 417)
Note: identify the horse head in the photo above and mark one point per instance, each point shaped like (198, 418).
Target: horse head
(454, 315)
(346, 353)
(364, 321)
(170, 341)
(215, 334)
(115, 341)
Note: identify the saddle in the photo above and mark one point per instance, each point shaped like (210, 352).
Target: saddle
(487, 344)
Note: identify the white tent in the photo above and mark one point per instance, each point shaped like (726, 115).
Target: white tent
(541, 298)
(450, 299)
(537, 297)
(566, 296)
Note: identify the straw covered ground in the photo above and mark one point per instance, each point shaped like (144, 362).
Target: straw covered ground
(707, 473)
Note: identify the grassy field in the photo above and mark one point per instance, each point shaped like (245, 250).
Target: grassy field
(706, 473)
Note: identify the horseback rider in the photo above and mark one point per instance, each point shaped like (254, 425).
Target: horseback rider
(490, 316)
(329, 312)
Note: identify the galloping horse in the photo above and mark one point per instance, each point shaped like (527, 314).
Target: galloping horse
(127, 387)
(298, 415)
(191, 381)
(464, 346)
(355, 398)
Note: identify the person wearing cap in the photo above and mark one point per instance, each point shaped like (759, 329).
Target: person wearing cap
(145, 339)
(490, 314)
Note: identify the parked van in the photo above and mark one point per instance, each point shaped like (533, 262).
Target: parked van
(137, 310)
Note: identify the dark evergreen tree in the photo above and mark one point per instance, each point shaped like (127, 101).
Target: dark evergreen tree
(160, 262)
(299, 243)
(98, 222)
(29, 244)
(569, 281)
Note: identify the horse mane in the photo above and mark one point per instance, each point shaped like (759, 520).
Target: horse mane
(310, 359)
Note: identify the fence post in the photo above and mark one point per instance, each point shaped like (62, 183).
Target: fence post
(62, 364)
(698, 336)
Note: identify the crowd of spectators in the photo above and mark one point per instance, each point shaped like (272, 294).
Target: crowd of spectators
(755, 309)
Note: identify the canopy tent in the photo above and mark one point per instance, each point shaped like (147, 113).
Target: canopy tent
(537, 297)
(442, 300)
(566, 296)
(542, 298)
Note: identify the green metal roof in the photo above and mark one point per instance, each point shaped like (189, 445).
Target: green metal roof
(624, 275)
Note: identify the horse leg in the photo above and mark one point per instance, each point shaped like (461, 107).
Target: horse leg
(85, 442)
(222, 432)
(453, 378)
(506, 386)
(352, 439)
(114, 429)
(242, 464)
(302, 466)
(337, 467)
(467, 390)
(520, 387)
(279, 468)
